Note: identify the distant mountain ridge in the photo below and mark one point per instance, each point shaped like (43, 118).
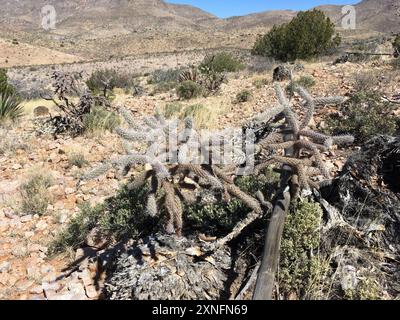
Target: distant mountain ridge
(130, 15)
(101, 28)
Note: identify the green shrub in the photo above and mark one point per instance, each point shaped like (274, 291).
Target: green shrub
(164, 87)
(10, 106)
(5, 87)
(35, 196)
(364, 115)
(260, 82)
(308, 35)
(124, 216)
(173, 109)
(77, 229)
(121, 217)
(169, 75)
(365, 81)
(304, 81)
(100, 120)
(77, 159)
(106, 80)
(243, 96)
(188, 90)
(298, 269)
(203, 117)
(220, 62)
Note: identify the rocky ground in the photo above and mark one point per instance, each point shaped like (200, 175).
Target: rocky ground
(26, 271)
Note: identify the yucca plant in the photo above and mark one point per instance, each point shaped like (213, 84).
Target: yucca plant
(10, 106)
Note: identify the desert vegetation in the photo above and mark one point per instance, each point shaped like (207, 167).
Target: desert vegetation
(95, 203)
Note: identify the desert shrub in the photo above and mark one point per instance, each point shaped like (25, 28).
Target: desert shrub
(120, 217)
(77, 159)
(364, 115)
(77, 229)
(35, 195)
(243, 96)
(10, 141)
(106, 80)
(299, 271)
(169, 75)
(202, 116)
(100, 120)
(173, 109)
(220, 62)
(164, 87)
(10, 106)
(188, 90)
(308, 35)
(367, 289)
(365, 81)
(304, 82)
(260, 82)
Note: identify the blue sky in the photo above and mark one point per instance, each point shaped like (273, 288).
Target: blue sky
(228, 8)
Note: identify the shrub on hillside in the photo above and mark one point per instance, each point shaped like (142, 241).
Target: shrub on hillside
(169, 75)
(220, 62)
(364, 115)
(35, 195)
(106, 80)
(188, 90)
(243, 96)
(309, 34)
(100, 120)
(306, 82)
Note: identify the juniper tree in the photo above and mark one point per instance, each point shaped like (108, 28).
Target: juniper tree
(185, 171)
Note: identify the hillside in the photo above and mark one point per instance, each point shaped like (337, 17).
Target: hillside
(98, 29)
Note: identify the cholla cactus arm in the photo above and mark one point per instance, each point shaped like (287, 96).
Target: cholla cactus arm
(222, 175)
(290, 116)
(343, 139)
(269, 114)
(272, 138)
(303, 179)
(244, 197)
(130, 160)
(160, 117)
(160, 169)
(127, 115)
(97, 172)
(151, 205)
(140, 180)
(151, 122)
(132, 135)
(310, 106)
(201, 173)
(324, 101)
(174, 207)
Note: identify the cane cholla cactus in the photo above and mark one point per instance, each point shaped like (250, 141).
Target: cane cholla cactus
(174, 172)
(71, 120)
(306, 160)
